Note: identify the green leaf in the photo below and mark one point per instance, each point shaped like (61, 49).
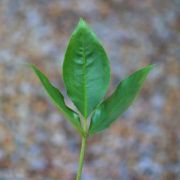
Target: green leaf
(58, 100)
(86, 70)
(109, 110)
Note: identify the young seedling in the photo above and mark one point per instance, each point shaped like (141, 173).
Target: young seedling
(86, 74)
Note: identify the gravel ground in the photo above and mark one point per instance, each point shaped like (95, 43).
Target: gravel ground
(36, 143)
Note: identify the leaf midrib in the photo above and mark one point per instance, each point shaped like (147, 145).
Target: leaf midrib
(84, 79)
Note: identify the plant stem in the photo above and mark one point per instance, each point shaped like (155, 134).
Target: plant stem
(81, 158)
(82, 152)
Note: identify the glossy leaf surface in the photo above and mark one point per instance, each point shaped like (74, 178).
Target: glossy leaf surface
(86, 71)
(58, 100)
(109, 110)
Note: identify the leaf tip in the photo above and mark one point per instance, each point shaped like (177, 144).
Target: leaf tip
(32, 66)
(147, 69)
(82, 21)
(82, 24)
(151, 66)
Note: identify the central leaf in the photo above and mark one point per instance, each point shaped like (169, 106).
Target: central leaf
(86, 70)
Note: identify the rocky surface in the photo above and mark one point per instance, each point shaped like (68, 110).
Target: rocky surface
(37, 143)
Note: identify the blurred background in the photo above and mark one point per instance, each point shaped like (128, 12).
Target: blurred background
(37, 143)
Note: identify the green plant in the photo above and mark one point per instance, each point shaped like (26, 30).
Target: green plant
(86, 75)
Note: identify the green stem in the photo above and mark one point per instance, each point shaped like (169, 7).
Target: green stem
(82, 152)
(81, 158)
